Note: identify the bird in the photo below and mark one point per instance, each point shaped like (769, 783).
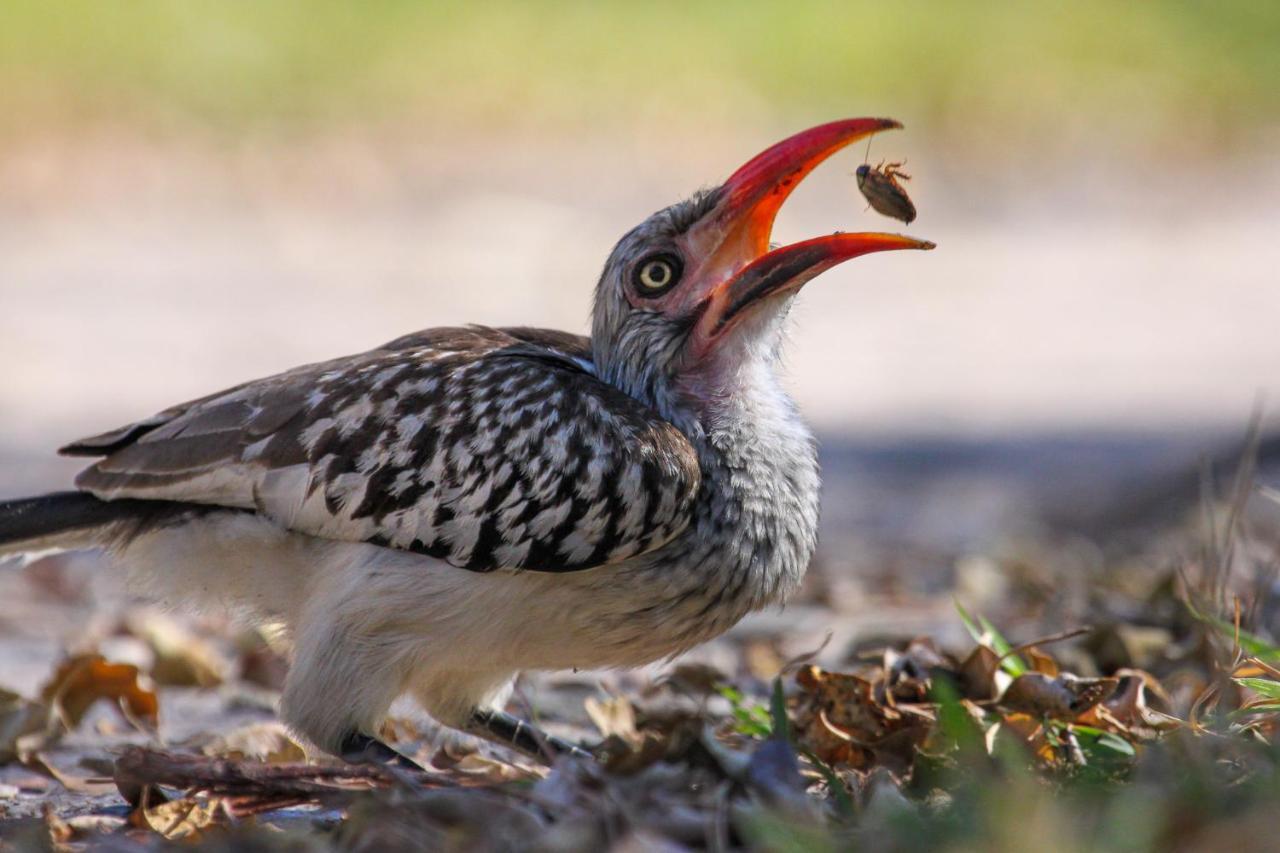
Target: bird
(437, 515)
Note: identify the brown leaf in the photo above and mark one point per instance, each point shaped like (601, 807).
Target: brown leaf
(186, 818)
(693, 679)
(59, 832)
(978, 674)
(181, 658)
(1027, 729)
(78, 784)
(268, 742)
(847, 720)
(22, 726)
(81, 681)
(916, 661)
(1042, 663)
(1062, 698)
(494, 770)
(615, 716)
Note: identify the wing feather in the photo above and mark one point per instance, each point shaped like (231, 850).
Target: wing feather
(486, 448)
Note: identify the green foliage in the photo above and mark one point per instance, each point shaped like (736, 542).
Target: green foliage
(780, 724)
(986, 634)
(1265, 686)
(1153, 68)
(752, 719)
(1250, 643)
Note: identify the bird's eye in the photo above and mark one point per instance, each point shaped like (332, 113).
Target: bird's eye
(657, 274)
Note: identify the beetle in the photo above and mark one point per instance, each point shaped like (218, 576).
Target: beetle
(882, 191)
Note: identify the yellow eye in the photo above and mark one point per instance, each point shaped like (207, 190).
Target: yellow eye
(657, 274)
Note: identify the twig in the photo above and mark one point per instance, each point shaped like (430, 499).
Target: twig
(138, 768)
(1044, 641)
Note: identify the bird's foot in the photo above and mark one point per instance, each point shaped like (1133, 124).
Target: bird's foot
(360, 748)
(501, 727)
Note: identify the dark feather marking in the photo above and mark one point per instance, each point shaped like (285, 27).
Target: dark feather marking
(510, 414)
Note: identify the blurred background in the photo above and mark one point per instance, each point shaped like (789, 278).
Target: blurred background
(196, 193)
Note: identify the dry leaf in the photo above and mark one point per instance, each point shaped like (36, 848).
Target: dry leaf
(81, 681)
(978, 674)
(181, 658)
(59, 831)
(185, 818)
(613, 716)
(78, 784)
(850, 721)
(1030, 731)
(493, 770)
(693, 679)
(1042, 663)
(268, 742)
(23, 724)
(1062, 698)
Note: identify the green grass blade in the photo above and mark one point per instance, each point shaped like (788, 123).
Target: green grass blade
(986, 634)
(778, 711)
(1265, 686)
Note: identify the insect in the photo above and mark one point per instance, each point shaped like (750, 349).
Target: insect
(882, 191)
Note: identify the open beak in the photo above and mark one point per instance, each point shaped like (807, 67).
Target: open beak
(741, 271)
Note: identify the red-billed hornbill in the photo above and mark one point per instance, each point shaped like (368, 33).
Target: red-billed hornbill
(440, 513)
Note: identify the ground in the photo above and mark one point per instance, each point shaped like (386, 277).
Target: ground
(892, 723)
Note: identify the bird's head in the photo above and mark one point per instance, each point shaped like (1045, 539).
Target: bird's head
(694, 295)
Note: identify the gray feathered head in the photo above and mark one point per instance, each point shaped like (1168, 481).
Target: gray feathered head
(694, 292)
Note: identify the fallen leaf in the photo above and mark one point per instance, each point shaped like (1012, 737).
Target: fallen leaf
(493, 770)
(693, 679)
(186, 818)
(77, 784)
(1062, 698)
(23, 724)
(615, 716)
(917, 661)
(1042, 663)
(59, 831)
(268, 742)
(82, 680)
(979, 674)
(181, 659)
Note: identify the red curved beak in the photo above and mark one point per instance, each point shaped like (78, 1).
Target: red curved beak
(741, 271)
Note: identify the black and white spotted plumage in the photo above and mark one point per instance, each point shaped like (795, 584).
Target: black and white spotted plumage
(487, 448)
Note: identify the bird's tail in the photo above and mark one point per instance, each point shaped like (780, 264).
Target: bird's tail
(71, 520)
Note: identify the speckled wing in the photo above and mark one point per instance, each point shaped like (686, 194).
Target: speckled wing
(486, 448)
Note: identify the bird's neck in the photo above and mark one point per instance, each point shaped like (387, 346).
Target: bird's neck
(752, 531)
(758, 510)
(755, 521)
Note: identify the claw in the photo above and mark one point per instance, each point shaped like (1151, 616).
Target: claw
(501, 727)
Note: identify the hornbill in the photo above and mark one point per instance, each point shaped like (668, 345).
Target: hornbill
(438, 514)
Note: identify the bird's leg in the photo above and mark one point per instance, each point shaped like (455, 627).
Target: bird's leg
(360, 748)
(501, 727)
